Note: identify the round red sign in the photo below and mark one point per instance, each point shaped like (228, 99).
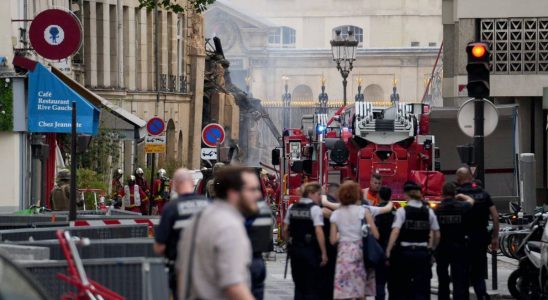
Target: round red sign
(213, 134)
(55, 34)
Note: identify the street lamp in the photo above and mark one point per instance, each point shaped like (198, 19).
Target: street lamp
(344, 54)
(286, 101)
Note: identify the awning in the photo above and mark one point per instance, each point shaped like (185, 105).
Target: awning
(113, 117)
(50, 105)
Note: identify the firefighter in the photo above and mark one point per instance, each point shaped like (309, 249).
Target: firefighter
(306, 246)
(174, 218)
(451, 252)
(133, 197)
(141, 180)
(370, 194)
(60, 195)
(479, 235)
(410, 248)
(117, 185)
(162, 190)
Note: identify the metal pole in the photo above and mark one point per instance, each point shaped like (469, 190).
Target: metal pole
(480, 168)
(73, 162)
(320, 159)
(344, 88)
(151, 192)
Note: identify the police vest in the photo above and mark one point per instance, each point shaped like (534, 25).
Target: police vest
(479, 214)
(451, 217)
(186, 207)
(384, 225)
(259, 229)
(128, 194)
(416, 228)
(301, 225)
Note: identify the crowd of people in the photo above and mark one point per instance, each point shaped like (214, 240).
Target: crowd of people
(211, 253)
(329, 258)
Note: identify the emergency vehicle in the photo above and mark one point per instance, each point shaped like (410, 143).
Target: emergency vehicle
(360, 139)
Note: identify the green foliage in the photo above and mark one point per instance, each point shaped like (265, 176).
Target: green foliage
(90, 179)
(104, 145)
(197, 5)
(6, 105)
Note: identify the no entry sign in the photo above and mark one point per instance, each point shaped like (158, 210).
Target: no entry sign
(55, 34)
(212, 134)
(155, 126)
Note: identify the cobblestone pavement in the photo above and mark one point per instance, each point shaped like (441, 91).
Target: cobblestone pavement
(278, 288)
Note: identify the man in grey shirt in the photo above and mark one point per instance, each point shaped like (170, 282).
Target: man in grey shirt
(215, 252)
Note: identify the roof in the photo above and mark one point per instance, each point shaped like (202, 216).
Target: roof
(240, 13)
(130, 121)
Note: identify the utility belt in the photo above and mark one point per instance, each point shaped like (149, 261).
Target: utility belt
(308, 242)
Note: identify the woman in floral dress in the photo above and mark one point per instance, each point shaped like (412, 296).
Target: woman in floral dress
(346, 224)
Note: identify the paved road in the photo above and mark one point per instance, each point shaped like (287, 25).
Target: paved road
(278, 288)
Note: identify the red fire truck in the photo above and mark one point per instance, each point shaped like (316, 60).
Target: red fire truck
(360, 139)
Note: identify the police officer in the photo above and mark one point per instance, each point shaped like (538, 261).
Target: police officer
(174, 218)
(452, 216)
(306, 246)
(384, 225)
(479, 235)
(410, 247)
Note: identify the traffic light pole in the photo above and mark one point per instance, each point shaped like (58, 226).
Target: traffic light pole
(479, 140)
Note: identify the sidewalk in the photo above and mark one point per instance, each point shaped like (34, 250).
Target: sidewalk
(278, 288)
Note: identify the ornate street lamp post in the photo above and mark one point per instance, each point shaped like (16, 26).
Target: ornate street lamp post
(344, 54)
(286, 100)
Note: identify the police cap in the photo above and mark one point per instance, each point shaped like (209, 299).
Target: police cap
(411, 186)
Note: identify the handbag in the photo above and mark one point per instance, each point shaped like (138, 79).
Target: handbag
(373, 253)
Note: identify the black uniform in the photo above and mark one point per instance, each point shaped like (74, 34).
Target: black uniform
(410, 262)
(478, 236)
(452, 217)
(328, 271)
(259, 230)
(304, 252)
(384, 225)
(172, 221)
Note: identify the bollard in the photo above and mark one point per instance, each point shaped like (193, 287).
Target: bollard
(528, 183)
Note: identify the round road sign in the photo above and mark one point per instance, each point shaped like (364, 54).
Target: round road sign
(465, 117)
(155, 126)
(212, 134)
(55, 34)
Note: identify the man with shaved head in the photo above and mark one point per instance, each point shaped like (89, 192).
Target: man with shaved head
(175, 216)
(479, 238)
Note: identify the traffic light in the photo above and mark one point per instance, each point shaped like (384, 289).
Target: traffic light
(478, 70)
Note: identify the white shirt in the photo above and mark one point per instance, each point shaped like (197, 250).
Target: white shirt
(375, 210)
(315, 212)
(349, 222)
(400, 215)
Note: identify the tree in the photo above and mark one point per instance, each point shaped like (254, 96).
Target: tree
(197, 5)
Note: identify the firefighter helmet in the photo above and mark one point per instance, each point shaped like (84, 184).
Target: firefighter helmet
(118, 173)
(217, 167)
(131, 179)
(139, 172)
(63, 174)
(162, 173)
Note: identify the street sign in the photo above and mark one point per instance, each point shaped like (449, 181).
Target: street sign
(155, 144)
(155, 126)
(212, 134)
(209, 153)
(465, 117)
(55, 34)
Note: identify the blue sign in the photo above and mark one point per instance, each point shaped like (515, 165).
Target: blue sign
(213, 134)
(50, 105)
(155, 126)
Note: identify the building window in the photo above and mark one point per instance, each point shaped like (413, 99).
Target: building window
(358, 32)
(282, 37)
(415, 44)
(432, 44)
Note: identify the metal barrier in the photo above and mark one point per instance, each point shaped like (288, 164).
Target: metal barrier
(18, 252)
(92, 232)
(133, 278)
(8, 226)
(30, 219)
(114, 248)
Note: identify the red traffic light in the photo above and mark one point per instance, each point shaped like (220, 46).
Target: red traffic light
(479, 50)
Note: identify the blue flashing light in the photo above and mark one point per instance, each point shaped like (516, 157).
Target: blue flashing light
(321, 128)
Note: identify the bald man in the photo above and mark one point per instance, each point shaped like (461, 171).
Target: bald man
(478, 233)
(174, 218)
